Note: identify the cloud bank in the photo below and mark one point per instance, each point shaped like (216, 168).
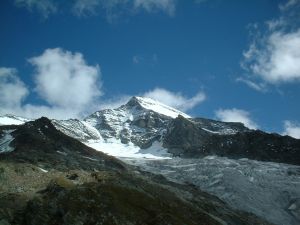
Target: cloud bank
(236, 115)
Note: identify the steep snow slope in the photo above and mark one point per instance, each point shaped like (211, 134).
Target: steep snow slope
(159, 107)
(12, 120)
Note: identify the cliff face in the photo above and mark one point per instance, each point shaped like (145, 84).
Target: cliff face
(187, 138)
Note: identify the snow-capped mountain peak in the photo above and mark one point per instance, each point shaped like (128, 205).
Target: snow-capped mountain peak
(156, 106)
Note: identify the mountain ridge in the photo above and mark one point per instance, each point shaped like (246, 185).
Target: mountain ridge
(146, 128)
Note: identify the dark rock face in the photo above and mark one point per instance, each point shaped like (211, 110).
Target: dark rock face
(186, 138)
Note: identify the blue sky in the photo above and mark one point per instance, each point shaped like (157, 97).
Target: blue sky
(228, 60)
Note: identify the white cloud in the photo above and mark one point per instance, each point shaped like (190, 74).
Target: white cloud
(291, 129)
(236, 115)
(279, 60)
(64, 79)
(274, 53)
(175, 99)
(12, 90)
(44, 7)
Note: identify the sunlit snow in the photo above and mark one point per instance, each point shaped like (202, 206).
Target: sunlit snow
(12, 120)
(160, 108)
(114, 147)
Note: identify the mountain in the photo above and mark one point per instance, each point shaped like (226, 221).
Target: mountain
(250, 170)
(144, 128)
(50, 178)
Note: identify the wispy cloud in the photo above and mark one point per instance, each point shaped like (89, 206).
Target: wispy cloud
(44, 7)
(200, 1)
(256, 86)
(167, 6)
(145, 58)
(288, 5)
(292, 129)
(85, 7)
(136, 59)
(176, 99)
(236, 115)
(112, 9)
(274, 53)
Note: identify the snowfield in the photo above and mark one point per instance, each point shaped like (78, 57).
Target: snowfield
(160, 108)
(12, 120)
(115, 148)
